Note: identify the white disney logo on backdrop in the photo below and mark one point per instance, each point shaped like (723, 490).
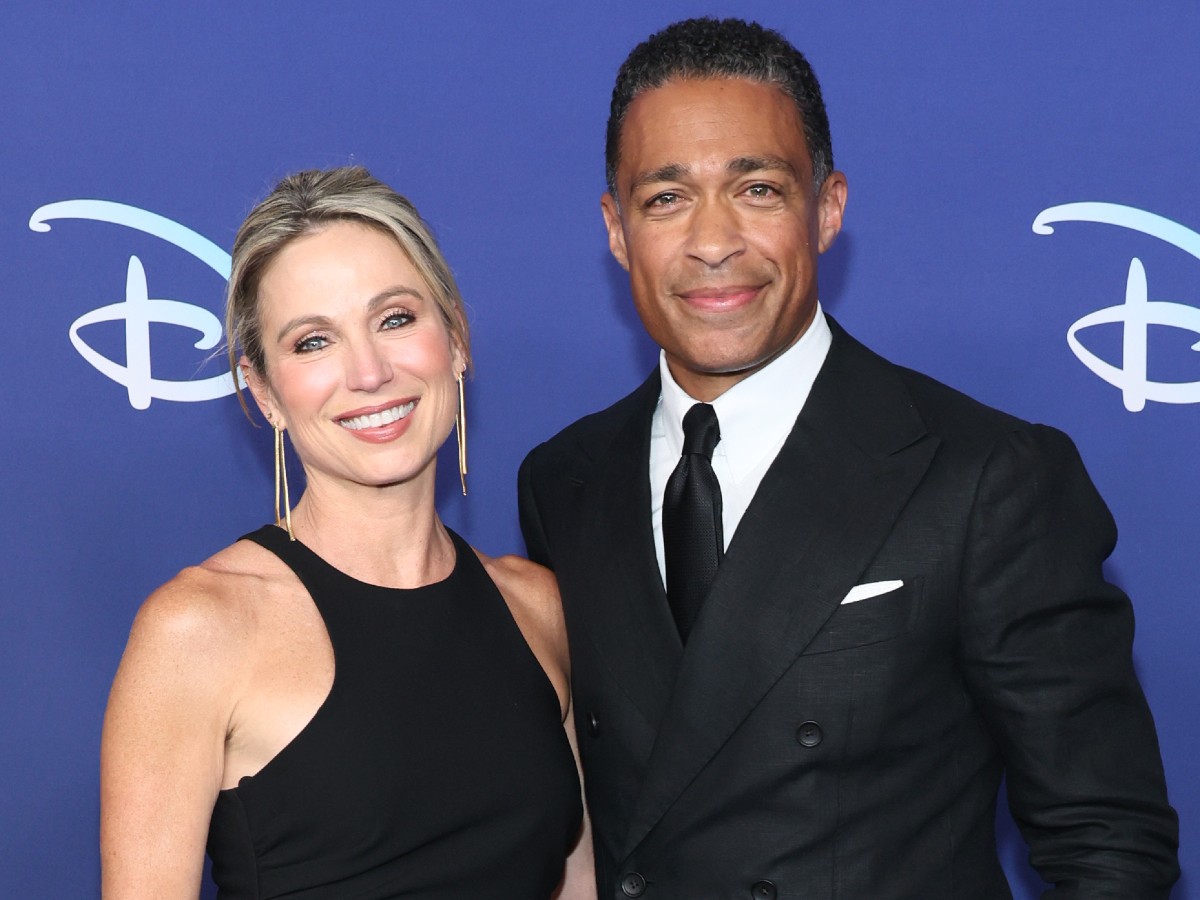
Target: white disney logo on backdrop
(138, 309)
(1138, 312)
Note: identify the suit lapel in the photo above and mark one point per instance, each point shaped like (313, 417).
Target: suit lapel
(627, 613)
(823, 509)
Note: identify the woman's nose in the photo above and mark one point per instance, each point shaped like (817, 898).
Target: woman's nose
(367, 368)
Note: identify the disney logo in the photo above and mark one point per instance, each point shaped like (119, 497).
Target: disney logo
(139, 309)
(1138, 312)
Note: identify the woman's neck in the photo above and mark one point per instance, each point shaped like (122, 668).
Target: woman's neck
(389, 536)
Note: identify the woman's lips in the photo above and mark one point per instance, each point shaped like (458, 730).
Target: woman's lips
(379, 424)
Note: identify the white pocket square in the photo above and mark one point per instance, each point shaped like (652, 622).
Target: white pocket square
(871, 589)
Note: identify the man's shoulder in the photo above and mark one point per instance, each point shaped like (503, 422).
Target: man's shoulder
(949, 410)
(945, 411)
(908, 407)
(588, 438)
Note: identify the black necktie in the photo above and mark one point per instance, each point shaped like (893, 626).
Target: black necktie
(693, 540)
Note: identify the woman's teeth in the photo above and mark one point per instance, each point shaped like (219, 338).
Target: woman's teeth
(379, 419)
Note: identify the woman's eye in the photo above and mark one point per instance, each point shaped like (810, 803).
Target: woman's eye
(310, 343)
(397, 320)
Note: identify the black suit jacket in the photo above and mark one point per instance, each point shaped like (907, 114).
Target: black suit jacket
(806, 747)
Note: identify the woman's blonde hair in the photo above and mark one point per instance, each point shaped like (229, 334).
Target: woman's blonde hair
(305, 202)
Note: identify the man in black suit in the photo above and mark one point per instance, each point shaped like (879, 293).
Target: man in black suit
(880, 596)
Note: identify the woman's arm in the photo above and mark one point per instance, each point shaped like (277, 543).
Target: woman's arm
(579, 877)
(162, 752)
(531, 592)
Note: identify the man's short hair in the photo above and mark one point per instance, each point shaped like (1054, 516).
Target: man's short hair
(721, 48)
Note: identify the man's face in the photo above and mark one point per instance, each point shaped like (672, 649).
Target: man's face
(719, 227)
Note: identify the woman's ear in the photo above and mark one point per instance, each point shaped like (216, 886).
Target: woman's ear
(458, 354)
(261, 392)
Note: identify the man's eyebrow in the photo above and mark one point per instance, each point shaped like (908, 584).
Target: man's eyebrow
(669, 172)
(748, 164)
(744, 165)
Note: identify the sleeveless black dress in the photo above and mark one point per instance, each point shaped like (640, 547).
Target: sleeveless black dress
(437, 767)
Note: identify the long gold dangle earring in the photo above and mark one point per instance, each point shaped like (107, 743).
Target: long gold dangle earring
(281, 485)
(460, 428)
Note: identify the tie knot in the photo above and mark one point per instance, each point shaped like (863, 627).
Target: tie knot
(701, 431)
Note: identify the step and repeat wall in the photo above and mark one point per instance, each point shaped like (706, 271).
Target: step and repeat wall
(1023, 224)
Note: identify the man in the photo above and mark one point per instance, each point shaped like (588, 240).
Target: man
(880, 595)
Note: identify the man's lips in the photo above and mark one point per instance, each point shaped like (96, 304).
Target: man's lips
(720, 298)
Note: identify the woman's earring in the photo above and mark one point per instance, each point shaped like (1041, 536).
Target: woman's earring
(281, 485)
(460, 428)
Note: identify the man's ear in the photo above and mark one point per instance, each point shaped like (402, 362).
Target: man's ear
(616, 232)
(831, 206)
(261, 392)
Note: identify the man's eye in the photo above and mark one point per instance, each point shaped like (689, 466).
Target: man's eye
(762, 191)
(667, 198)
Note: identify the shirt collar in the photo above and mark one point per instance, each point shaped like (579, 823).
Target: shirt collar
(756, 414)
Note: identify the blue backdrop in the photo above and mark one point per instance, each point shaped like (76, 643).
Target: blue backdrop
(969, 133)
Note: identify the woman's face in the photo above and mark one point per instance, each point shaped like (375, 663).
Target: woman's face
(359, 364)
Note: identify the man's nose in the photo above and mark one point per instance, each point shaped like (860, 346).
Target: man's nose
(715, 233)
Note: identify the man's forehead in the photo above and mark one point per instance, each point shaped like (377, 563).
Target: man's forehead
(733, 123)
(732, 102)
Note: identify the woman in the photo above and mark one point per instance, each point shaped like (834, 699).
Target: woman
(345, 703)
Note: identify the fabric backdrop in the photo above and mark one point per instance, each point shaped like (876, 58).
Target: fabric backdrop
(1023, 224)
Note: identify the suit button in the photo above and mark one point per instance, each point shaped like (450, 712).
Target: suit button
(809, 734)
(633, 885)
(763, 890)
(593, 724)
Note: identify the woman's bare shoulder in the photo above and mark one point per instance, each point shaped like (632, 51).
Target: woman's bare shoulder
(527, 584)
(208, 610)
(531, 593)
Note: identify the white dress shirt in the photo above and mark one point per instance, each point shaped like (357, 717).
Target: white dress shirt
(756, 415)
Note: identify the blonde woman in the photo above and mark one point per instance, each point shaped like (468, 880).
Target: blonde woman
(349, 702)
